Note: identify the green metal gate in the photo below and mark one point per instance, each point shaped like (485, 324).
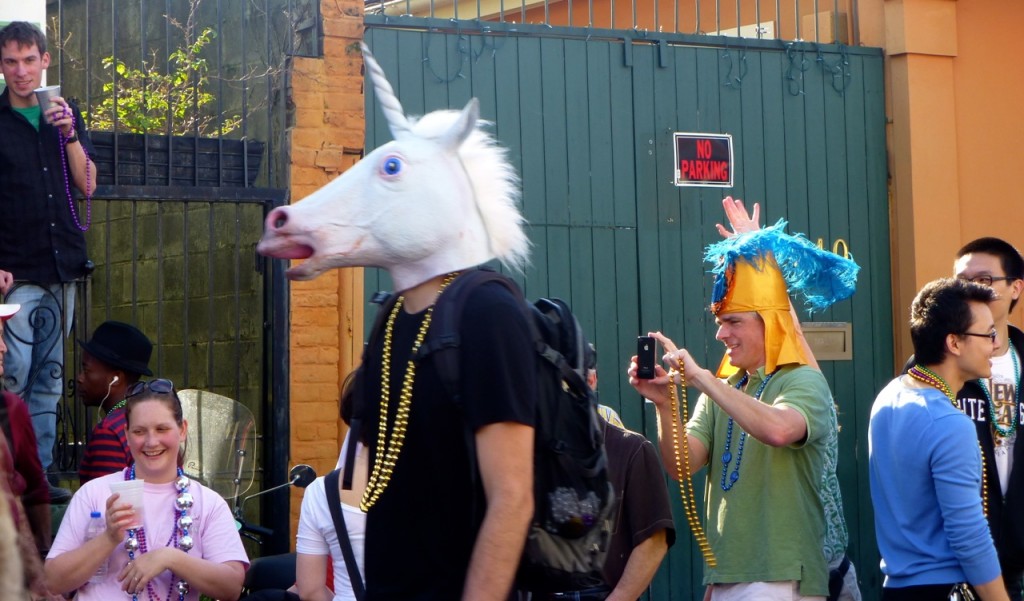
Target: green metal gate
(589, 120)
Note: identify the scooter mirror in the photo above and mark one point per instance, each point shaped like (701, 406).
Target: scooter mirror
(302, 475)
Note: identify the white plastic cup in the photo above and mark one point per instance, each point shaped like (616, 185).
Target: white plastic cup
(132, 493)
(45, 97)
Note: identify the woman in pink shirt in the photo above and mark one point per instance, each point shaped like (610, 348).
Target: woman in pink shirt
(187, 544)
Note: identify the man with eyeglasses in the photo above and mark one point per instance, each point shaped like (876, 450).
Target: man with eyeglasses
(113, 361)
(923, 458)
(994, 403)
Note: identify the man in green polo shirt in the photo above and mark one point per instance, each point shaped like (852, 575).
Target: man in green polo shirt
(763, 422)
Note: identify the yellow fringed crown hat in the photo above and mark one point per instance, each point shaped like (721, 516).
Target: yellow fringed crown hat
(760, 287)
(758, 270)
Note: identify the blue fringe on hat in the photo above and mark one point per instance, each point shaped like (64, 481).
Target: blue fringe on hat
(819, 276)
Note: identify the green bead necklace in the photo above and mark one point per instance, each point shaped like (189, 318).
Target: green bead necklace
(923, 374)
(117, 406)
(1014, 418)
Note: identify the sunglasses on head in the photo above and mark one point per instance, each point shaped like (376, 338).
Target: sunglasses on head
(159, 386)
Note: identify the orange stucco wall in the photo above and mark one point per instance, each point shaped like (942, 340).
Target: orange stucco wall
(951, 98)
(990, 118)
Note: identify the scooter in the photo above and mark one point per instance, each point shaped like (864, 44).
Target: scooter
(222, 457)
(272, 572)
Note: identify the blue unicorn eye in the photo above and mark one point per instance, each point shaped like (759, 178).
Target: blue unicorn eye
(392, 166)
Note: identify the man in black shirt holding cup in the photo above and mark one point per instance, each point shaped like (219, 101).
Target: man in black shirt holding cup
(44, 163)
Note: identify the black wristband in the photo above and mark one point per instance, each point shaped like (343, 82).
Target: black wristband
(72, 138)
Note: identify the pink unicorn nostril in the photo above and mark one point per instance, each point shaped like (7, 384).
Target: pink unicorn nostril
(277, 219)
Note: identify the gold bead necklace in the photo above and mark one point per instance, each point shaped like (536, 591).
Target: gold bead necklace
(387, 456)
(683, 474)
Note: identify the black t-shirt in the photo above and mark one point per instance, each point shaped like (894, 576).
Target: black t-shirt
(421, 531)
(635, 471)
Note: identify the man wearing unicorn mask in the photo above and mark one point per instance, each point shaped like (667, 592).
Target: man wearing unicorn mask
(439, 199)
(767, 421)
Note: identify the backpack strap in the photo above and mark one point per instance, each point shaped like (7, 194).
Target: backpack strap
(386, 302)
(355, 430)
(334, 502)
(442, 343)
(443, 337)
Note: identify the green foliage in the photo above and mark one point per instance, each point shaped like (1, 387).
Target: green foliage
(148, 101)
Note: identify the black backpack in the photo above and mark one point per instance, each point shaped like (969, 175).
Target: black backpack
(574, 502)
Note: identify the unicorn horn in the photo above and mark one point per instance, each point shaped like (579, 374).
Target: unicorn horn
(389, 103)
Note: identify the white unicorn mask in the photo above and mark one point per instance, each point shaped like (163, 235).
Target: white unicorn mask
(440, 197)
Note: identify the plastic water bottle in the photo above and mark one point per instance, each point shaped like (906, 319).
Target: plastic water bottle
(97, 526)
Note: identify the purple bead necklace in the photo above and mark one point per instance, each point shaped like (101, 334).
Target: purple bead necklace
(67, 183)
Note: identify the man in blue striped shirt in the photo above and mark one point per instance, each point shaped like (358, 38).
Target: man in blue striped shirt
(113, 360)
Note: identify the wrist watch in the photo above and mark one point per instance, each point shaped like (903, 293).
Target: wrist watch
(73, 138)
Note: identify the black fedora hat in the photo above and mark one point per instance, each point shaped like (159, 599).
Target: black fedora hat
(121, 345)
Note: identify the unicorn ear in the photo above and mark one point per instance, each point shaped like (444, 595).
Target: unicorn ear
(460, 130)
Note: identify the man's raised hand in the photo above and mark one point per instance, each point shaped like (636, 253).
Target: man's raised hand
(739, 221)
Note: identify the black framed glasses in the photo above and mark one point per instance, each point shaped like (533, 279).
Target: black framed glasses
(991, 336)
(986, 280)
(159, 386)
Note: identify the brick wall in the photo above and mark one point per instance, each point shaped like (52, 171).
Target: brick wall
(326, 313)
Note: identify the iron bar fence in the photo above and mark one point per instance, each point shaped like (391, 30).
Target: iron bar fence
(180, 91)
(47, 327)
(818, 21)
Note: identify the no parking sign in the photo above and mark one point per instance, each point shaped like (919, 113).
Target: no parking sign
(703, 159)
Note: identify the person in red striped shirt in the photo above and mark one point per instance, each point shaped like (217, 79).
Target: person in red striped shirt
(113, 361)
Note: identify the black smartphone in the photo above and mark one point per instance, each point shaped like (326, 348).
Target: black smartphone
(645, 357)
